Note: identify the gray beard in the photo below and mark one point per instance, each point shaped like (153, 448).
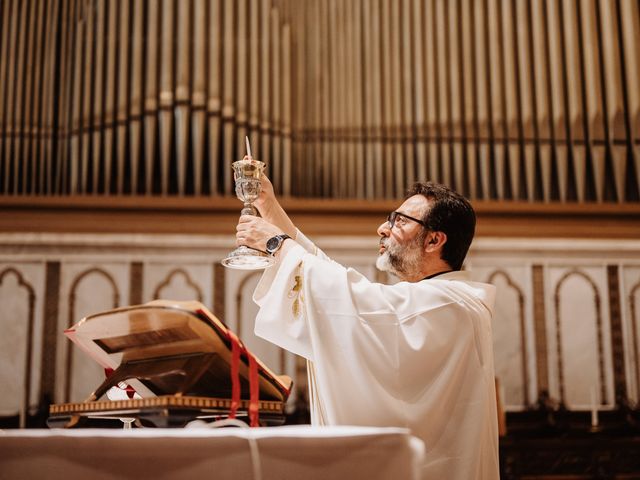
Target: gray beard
(402, 261)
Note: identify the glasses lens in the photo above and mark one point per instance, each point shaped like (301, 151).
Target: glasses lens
(391, 219)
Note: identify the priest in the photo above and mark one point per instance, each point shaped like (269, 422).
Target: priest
(416, 354)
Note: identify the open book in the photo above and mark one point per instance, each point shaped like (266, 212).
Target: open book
(174, 348)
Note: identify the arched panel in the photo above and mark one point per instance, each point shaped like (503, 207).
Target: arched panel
(580, 344)
(91, 291)
(509, 339)
(178, 285)
(634, 311)
(17, 298)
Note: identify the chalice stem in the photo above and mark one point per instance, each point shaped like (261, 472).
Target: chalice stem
(249, 210)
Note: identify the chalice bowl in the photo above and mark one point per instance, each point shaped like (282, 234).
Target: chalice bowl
(247, 173)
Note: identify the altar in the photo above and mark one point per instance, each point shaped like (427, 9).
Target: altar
(289, 452)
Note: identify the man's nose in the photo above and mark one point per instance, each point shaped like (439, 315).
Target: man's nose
(383, 229)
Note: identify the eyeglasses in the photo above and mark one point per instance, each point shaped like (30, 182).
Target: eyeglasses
(400, 219)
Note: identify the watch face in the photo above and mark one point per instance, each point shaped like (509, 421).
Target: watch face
(273, 244)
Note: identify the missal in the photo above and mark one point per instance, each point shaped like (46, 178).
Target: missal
(181, 359)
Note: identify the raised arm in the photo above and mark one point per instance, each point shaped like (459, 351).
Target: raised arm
(271, 210)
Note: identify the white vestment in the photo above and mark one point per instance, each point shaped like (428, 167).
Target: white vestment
(416, 355)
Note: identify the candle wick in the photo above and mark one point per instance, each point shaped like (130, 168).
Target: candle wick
(248, 147)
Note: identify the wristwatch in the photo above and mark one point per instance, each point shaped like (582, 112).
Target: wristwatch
(274, 243)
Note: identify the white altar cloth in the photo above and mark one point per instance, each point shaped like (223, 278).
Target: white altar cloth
(290, 452)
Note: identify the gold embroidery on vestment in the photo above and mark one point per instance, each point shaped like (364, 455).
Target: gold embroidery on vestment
(296, 293)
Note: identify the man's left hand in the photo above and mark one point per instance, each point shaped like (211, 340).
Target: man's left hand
(254, 232)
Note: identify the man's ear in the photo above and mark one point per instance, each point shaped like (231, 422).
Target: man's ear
(434, 241)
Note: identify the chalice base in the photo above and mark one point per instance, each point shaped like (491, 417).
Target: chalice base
(246, 258)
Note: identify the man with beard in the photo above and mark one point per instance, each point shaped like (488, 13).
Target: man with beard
(416, 354)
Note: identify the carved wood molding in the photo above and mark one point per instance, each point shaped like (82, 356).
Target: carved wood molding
(219, 215)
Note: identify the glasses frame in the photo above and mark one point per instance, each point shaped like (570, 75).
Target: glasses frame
(391, 219)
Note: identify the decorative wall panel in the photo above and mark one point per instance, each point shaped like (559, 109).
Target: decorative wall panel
(556, 293)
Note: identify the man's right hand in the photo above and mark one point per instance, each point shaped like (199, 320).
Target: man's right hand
(267, 199)
(271, 210)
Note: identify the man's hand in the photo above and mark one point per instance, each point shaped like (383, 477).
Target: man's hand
(255, 231)
(267, 199)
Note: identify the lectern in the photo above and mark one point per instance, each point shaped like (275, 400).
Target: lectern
(183, 362)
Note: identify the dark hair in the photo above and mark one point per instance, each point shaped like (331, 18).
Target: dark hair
(450, 213)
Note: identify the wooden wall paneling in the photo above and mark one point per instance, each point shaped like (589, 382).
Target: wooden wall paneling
(136, 282)
(49, 344)
(617, 340)
(540, 328)
(214, 95)
(219, 291)
(136, 99)
(182, 109)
